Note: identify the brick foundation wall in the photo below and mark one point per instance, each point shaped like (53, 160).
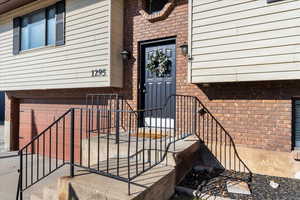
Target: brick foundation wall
(256, 114)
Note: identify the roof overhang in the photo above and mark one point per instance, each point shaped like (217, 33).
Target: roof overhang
(8, 5)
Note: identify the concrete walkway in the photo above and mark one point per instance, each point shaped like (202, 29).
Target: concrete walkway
(8, 175)
(9, 164)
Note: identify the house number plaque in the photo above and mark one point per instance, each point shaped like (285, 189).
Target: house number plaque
(99, 73)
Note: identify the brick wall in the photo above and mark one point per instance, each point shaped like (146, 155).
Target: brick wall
(256, 114)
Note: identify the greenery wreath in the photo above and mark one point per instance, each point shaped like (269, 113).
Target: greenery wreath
(159, 64)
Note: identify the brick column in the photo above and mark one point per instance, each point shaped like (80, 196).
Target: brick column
(11, 123)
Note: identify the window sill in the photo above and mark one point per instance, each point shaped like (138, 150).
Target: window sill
(37, 49)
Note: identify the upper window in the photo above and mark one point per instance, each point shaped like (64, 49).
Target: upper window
(38, 29)
(155, 10)
(272, 1)
(153, 6)
(44, 27)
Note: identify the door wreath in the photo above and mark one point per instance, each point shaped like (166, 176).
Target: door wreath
(159, 64)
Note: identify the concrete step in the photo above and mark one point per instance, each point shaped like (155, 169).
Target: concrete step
(47, 189)
(156, 183)
(50, 192)
(8, 154)
(46, 185)
(36, 195)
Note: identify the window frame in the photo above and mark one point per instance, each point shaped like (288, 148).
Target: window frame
(45, 13)
(46, 24)
(294, 99)
(150, 11)
(273, 1)
(58, 27)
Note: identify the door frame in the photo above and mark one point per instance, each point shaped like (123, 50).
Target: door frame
(141, 50)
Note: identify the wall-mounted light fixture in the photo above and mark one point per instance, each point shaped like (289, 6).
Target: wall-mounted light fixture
(202, 111)
(184, 49)
(125, 55)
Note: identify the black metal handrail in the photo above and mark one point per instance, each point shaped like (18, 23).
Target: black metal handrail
(198, 110)
(97, 143)
(33, 147)
(230, 138)
(220, 143)
(49, 127)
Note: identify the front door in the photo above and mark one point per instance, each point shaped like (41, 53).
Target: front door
(158, 82)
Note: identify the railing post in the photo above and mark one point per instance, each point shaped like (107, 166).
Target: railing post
(20, 186)
(128, 156)
(72, 143)
(195, 117)
(117, 120)
(175, 123)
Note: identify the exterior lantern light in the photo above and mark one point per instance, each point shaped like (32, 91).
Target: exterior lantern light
(184, 49)
(125, 55)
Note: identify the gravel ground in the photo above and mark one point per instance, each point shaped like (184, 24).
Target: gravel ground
(289, 189)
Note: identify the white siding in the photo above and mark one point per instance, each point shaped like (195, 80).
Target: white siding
(87, 47)
(244, 40)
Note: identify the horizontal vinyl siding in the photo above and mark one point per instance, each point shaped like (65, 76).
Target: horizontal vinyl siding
(69, 66)
(244, 40)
